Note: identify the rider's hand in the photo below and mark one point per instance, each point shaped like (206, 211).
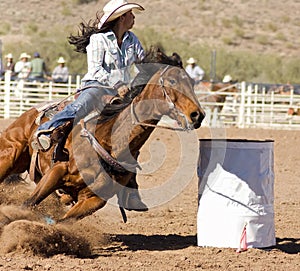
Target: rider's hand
(123, 90)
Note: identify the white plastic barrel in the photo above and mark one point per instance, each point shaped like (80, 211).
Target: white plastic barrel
(236, 193)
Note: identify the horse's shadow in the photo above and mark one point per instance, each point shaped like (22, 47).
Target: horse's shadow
(288, 245)
(136, 242)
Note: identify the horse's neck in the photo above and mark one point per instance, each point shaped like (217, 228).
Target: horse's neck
(125, 132)
(122, 136)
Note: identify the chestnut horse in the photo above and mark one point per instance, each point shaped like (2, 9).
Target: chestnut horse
(103, 149)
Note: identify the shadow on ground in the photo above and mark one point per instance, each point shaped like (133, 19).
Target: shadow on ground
(288, 245)
(136, 242)
(157, 242)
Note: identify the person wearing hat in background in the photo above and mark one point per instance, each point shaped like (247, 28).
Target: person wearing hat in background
(38, 70)
(194, 71)
(60, 73)
(9, 66)
(111, 50)
(23, 66)
(227, 79)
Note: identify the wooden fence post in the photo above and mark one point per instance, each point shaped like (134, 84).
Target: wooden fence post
(241, 121)
(255, 104)
(249, 102)
(69, 85)
(272, 108)
(7, 78)
(77, 81)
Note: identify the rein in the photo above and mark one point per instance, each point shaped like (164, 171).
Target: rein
(122, 167)
(135, 120)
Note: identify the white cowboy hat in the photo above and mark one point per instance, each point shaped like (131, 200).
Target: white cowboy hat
(115, 8)
(227, 79)
(191, 60)
(24, 55)
(61, 60)
(9, 55)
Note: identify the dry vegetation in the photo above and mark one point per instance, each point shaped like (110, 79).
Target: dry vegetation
(239, 30)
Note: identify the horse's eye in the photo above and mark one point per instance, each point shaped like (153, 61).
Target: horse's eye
(172, 81)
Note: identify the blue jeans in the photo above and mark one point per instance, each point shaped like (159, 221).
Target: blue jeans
(88, 100)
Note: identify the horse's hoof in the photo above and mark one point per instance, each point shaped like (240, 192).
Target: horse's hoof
(49, 220)
(135, 203)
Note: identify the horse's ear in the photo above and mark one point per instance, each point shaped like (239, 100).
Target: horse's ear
(177, 60)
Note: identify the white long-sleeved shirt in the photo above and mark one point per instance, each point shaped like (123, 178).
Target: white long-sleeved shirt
(195, 72)
(60, 73)
(22, 69)
(109, 64)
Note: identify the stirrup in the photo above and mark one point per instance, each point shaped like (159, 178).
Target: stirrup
(44, 141)
(41, 141)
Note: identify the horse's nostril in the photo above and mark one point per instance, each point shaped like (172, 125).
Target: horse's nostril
(194, 115)
(197, 117)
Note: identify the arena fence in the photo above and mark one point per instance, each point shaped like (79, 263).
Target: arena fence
(18, 96)
(253, 106)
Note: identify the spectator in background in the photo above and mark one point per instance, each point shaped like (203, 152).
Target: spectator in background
(9, 65)
(38, 68)
(227, 79)
(194, 71)
(60, 73)
(23, 66)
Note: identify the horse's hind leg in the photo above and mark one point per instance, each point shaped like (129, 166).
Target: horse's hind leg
(14, 154)
(13, 160)
(51, 181)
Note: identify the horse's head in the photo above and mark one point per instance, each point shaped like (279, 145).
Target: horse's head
(171, 93)
(165, 89)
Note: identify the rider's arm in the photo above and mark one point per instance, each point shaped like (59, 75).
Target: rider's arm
(96, 57)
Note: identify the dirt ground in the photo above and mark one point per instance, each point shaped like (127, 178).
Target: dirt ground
(165, 237)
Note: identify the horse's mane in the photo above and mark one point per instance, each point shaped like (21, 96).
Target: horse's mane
(153, 61)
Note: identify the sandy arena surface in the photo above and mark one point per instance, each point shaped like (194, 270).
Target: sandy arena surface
(165, 237)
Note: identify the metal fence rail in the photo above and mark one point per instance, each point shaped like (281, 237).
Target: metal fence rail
(18, 96)
(251, 107)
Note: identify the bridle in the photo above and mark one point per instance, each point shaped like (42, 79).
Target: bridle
(172, 107)
(123, 167)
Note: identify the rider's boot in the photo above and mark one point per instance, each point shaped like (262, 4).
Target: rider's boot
(44, 139)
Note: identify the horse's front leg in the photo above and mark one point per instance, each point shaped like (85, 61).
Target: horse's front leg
(93, 197)
(85, 207)
(50, 182)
